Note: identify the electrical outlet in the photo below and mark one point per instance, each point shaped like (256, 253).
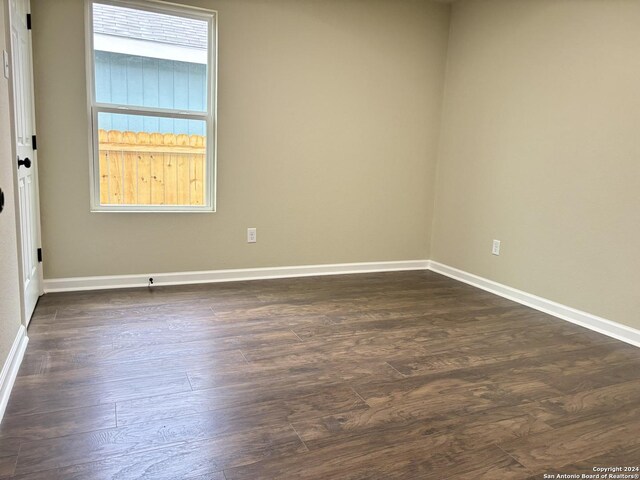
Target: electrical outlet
(251, 235)
(495, 249)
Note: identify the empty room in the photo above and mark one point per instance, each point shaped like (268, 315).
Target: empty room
(319, 239)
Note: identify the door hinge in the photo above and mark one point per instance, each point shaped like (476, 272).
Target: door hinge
(34, 143)
(39, 255)
(28, 21)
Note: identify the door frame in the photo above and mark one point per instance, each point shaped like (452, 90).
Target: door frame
(12, 114)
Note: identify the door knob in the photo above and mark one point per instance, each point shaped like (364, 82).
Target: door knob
(26, 163)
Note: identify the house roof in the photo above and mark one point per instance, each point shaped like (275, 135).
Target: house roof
(150, 26)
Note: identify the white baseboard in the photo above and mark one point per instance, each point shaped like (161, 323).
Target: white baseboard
(587, 320)
(10, 368)
(584, 319)
(212, 276)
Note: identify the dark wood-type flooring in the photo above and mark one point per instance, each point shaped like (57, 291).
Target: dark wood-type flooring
(405, 375)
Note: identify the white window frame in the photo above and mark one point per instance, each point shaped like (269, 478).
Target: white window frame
(210, 16)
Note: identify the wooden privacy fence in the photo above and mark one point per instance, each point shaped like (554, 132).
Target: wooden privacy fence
(151, 168)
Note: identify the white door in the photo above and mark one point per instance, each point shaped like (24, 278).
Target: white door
(22, 82)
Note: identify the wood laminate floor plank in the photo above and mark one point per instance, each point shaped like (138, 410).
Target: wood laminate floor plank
(292, 374)
(580, 439)
(208, 456)
(284, 403)
(7, 466)
(50, 397)
(17, 429)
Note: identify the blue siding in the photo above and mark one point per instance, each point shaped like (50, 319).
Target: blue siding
(150, 91)
(150, 82)
(181, 93)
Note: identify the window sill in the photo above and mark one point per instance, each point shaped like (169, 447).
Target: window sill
(143, 209)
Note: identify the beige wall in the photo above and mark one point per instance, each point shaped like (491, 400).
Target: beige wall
(540, 149)
(9, 278)
(328, 115)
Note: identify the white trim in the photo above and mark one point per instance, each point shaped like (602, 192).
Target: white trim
(231, 275)
(584, 319)
(10, 368)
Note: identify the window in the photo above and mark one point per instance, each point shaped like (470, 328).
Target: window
(151, 85)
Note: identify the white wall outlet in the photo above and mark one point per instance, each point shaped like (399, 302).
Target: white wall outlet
(495, 249)
(5, 63)
(251, 235)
